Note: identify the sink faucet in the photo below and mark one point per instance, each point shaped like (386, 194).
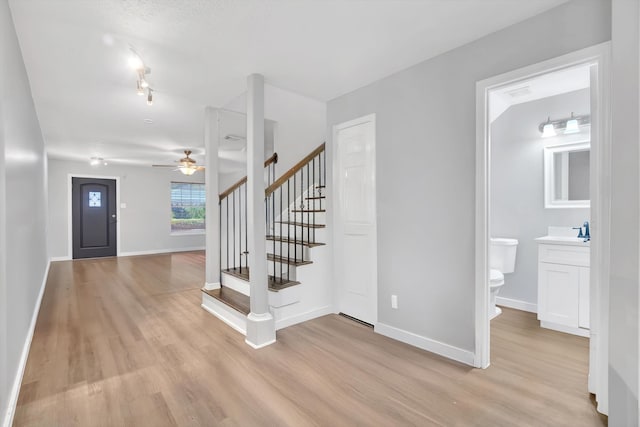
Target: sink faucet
(586, 236)
(580, 235)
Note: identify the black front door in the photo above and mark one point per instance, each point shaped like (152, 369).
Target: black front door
(94, 217)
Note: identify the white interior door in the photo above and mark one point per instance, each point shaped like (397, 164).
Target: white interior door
(355, 225)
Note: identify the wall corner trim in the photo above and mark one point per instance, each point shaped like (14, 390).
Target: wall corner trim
(450, 352)
(15, 388)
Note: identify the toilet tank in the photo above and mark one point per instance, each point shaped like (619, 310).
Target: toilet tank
(502, 254)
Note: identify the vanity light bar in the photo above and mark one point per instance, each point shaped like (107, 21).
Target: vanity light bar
(561, 124)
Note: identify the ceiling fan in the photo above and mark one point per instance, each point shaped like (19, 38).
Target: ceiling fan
(186, 165)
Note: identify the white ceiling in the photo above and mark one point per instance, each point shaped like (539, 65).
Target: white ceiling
(543, 86)
(200, 52)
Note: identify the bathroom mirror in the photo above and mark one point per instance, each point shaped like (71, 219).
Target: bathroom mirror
(566, 176)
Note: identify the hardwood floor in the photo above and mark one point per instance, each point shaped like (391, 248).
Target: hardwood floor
(124, 342)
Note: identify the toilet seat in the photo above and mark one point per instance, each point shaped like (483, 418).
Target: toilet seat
(496, 278)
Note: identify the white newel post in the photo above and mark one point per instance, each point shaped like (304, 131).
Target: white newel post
(260, 323)
(212, 219)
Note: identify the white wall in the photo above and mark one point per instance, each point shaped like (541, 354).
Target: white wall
(517, 185)
(300, 126)
(23, 245)
(426, 166)
(144, 224)
(625, 212)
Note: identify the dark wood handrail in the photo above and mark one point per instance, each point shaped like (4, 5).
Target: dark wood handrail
(225, 193)
(273, 187)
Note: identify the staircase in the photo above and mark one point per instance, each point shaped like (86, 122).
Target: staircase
(295, 224)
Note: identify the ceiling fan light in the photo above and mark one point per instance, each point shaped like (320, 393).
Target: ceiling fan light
(149, 98)
(143, 83)
(188, 170)
(140, 89)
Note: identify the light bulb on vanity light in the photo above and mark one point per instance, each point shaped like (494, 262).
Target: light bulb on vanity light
(548, 129)
(572, 125)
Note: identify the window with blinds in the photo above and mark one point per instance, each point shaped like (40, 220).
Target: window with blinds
(187, 207)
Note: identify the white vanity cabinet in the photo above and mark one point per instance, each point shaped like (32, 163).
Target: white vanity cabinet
(563, 284)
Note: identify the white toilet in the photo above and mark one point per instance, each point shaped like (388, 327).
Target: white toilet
(502, 259)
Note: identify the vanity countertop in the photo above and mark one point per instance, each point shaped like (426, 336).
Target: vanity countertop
(562, 240)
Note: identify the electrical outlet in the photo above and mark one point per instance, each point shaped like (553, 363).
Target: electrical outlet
(394, 301)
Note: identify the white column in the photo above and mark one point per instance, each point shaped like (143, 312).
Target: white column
(212, 221)
(260, 324)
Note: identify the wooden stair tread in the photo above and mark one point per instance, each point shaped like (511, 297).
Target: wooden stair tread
(285, 260)
(298, 242)
(275, 284)
(302, 224)
(315, 198)
(234, 299)
(308, 210)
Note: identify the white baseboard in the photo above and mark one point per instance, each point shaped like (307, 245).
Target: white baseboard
(566, 329)
(303, 317)
(517, 304)
(15, 389)
(211, 286)
(161, 251)
(60, 258)
(258, 347)
(437, 347)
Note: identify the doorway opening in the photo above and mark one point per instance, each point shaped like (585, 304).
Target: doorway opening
(541, 169)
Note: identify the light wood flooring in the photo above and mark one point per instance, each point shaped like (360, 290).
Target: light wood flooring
(124, 342)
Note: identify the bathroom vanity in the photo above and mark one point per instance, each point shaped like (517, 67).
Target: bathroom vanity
(563, 284)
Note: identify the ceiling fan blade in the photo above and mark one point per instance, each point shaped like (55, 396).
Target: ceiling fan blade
(163, 166)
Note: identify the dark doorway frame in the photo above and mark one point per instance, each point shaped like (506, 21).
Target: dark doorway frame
(70, 177)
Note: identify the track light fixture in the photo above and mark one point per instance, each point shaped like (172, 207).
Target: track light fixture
(567, 125)
(136, 62)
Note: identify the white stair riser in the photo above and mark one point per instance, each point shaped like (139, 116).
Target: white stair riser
(298, 231)
(302, 252)
(235, 283)
(292, 270)
(242, 286)
(231, 317)
(321, 217)
(290, 295)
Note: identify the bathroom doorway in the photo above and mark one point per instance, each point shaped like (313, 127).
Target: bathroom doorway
(514, 111)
